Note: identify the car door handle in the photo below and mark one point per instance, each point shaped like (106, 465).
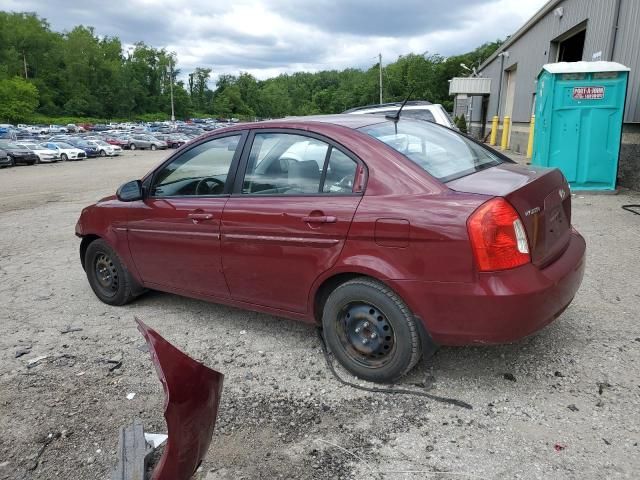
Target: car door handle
(200, 216)
(320, 219)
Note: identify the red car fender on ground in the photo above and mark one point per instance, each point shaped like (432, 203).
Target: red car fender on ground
(192, 395)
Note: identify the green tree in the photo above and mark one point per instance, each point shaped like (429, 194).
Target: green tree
(18, 99)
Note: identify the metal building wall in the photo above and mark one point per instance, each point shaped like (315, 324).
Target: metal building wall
(627, 52)
(533, 49)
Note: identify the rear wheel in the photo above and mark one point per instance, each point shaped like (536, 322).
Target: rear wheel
(107, 275)
(370, 330)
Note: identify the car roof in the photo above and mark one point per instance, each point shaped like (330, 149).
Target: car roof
(349, 121)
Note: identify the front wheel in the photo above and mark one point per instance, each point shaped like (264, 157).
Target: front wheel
(103, 153)
(132, 146)
(371, 331)
(153, 147)
(63, 157)
(109, 278)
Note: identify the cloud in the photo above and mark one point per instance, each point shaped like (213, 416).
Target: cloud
(400, 18)
(269, 37)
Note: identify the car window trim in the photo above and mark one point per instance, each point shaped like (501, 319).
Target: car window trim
(149, 181)
(242, 167)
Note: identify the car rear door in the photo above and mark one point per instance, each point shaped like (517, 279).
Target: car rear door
(174, 233)
(288, 218)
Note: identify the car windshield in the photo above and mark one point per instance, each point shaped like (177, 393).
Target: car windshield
(8, 145)
(441, 152)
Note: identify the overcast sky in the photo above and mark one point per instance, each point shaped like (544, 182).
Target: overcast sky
(268, 37)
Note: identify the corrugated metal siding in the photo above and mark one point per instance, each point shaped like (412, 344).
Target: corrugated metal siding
(627, 52)
(470, 85)
(531, 51)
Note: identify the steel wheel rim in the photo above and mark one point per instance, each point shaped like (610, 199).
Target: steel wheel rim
(106, 274)
(365, 334)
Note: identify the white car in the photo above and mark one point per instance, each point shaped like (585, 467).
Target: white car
(37, 129)
(416, 109)
(105, 149)
(57, 129)
(45, 154)
(66, 151)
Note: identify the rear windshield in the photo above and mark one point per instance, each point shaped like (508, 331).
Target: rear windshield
(441, 152)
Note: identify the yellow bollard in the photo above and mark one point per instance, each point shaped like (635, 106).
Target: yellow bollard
(505, 132)
(494, 130)
(531, 130)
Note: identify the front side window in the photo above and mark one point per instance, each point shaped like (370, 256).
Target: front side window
(200, 171)
(443, 153)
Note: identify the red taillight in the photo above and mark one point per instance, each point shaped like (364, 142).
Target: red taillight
(497, 236)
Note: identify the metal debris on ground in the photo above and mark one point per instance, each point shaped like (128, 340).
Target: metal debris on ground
(36, 361)
(115, 362)
(133, 453)
(70, 329)
(23, 351)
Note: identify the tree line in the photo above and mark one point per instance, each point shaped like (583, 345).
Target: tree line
(79, 74)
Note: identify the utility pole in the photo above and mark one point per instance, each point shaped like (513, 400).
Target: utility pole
(24, 60)
(380, 64)
(173, 113)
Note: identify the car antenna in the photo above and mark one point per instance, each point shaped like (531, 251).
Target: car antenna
(396, 116)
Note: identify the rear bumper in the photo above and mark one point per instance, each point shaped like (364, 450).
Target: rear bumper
(499, 307)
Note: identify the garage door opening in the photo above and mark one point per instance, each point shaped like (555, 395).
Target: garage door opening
(571, 49)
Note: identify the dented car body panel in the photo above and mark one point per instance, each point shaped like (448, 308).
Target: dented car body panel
(192, 395)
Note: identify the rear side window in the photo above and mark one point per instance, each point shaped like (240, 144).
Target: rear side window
(290, 164)
(443, 153)
(341, 172)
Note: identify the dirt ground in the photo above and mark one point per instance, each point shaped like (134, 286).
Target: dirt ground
(569, 408)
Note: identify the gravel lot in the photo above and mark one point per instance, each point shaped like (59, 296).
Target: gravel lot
(571, 409)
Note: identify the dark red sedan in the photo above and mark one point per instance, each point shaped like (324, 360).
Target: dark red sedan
(394, 235)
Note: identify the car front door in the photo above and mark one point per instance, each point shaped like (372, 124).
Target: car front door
(288, 218)
(174, 233)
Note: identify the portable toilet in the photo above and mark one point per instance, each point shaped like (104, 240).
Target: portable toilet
(579, 111)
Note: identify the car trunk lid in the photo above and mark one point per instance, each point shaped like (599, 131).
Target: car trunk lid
(542, 198)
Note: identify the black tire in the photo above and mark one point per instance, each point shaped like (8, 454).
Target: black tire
(153, 147)
(109, 278)
(103, 153)
(63, 157)
(12, 161)
(38, 162)
(371, 331)
(132, 146)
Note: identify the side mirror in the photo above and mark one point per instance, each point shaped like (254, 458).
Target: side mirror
(130, 191)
